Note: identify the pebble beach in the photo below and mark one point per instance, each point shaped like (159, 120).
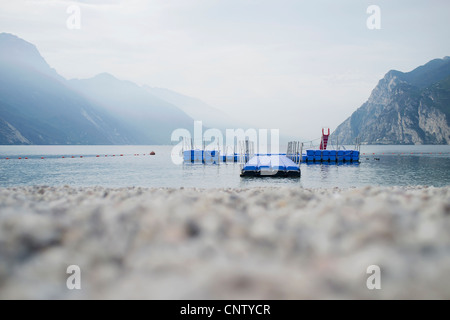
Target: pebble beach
(256, 243)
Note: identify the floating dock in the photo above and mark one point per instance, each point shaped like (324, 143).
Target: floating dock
(273, 165)
(270, 166)
(308, 156)
(201, 156)
(230, 158)
(320, 156)
(211, 157)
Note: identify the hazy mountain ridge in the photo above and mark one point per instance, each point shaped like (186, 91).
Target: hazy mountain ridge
(197, 109)
(152, 118)
(404, 108)
(38, 106)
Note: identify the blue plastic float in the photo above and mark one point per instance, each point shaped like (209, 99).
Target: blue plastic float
(270, 166)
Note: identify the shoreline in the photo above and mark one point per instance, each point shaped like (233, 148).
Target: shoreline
(253, 243)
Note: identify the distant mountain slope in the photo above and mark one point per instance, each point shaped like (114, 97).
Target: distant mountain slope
(423, 76)
(404, 108)
(154, 118)
(197, 109)
(38, 107)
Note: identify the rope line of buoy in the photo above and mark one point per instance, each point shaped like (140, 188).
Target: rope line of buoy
(406, 153)
(77, 156)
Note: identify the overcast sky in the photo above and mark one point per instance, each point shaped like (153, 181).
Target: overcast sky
(288, 64)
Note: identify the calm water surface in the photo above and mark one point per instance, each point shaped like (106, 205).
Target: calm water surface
(428, 165)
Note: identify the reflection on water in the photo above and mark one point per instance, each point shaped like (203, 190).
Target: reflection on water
(429, 165)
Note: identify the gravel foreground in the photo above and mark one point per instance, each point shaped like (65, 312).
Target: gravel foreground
(261, 243)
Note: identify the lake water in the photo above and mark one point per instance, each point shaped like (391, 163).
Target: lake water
(409, 165)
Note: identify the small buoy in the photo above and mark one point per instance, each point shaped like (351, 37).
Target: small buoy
(62, 157)
(42, 157)
(152, 153)
(20, 158)
(7, 158)
(73, 157)
(81, 156)
(106, 155)
(98, 156)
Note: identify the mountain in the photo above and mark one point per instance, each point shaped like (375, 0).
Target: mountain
(404, 108)
(37, 106)
(153, 118)
(197, 109)
(210, 116)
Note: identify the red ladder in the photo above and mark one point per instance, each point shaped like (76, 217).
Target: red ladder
(324, 141)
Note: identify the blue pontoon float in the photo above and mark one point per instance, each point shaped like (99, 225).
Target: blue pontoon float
(270, 166)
